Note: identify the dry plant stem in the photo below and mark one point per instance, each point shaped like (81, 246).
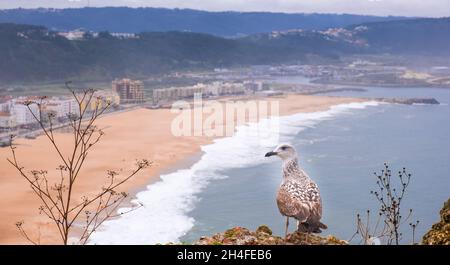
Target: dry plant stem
(57, 198)
(390, 194)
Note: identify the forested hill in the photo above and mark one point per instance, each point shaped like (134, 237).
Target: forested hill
(34, 53)
(135, 20)
(426, 35)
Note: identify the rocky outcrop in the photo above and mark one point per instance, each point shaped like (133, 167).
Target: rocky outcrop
(331, 90)
(410, 101)
(263, 236)
(438, 235)
(440, 232)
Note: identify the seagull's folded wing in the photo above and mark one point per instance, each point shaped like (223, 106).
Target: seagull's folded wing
(303, 204)
(292, 206)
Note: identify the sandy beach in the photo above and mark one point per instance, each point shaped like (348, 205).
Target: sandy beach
(136, 134)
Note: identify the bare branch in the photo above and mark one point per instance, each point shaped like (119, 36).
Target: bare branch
(57, 198)
(389, 195)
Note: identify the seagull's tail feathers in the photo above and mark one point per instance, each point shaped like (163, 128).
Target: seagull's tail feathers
(322, 225)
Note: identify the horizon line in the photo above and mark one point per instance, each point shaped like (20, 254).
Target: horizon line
(218, 11)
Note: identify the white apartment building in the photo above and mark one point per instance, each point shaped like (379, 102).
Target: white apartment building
(4, 107)
(122, 35)
(14, 112)
(62, 107)
(77, 34)
(108, 96)
(5, 104)
(22, 114)
(7, 120)
(213, 89)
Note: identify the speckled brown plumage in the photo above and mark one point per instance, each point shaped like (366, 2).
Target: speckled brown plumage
(299, 197)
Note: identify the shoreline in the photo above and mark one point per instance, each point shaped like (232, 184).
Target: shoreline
(184, 163)
(130, 132)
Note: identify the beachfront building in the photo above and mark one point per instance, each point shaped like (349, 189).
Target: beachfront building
(22, 114)
(5, 103)
(5, 106)
(176, 93)
(109, 96)
(222, 88)
(206, 90)
(253, 86)
(62, 107)
(15, 113)
(7, 121)
(129, 91)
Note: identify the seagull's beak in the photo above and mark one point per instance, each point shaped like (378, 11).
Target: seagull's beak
(271, 153)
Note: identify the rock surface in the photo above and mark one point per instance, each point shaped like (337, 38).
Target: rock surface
(410, 101)
(440, 232)
(263, 236)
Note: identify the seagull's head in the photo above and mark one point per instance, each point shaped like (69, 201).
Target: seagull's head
(284, 151)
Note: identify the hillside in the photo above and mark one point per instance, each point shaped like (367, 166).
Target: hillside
(405, 37)
(135, 20)
(426, 36)
(34, 53)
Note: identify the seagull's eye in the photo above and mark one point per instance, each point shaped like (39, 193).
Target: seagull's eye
(283, 148)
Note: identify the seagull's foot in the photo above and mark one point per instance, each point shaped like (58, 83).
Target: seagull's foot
(286, 238)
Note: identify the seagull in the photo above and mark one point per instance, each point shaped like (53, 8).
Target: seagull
(298, 195)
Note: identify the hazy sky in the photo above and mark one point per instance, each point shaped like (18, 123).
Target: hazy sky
(430, 8)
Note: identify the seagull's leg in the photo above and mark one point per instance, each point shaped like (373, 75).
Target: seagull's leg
(286, 230)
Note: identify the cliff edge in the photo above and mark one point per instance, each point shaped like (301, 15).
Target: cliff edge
(263, 236)
(439, 233)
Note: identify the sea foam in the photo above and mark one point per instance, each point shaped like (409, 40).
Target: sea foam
(165, 215)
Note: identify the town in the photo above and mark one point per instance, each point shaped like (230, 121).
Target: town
(17, 118)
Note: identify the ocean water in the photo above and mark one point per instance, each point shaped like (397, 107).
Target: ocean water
(233, 184)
